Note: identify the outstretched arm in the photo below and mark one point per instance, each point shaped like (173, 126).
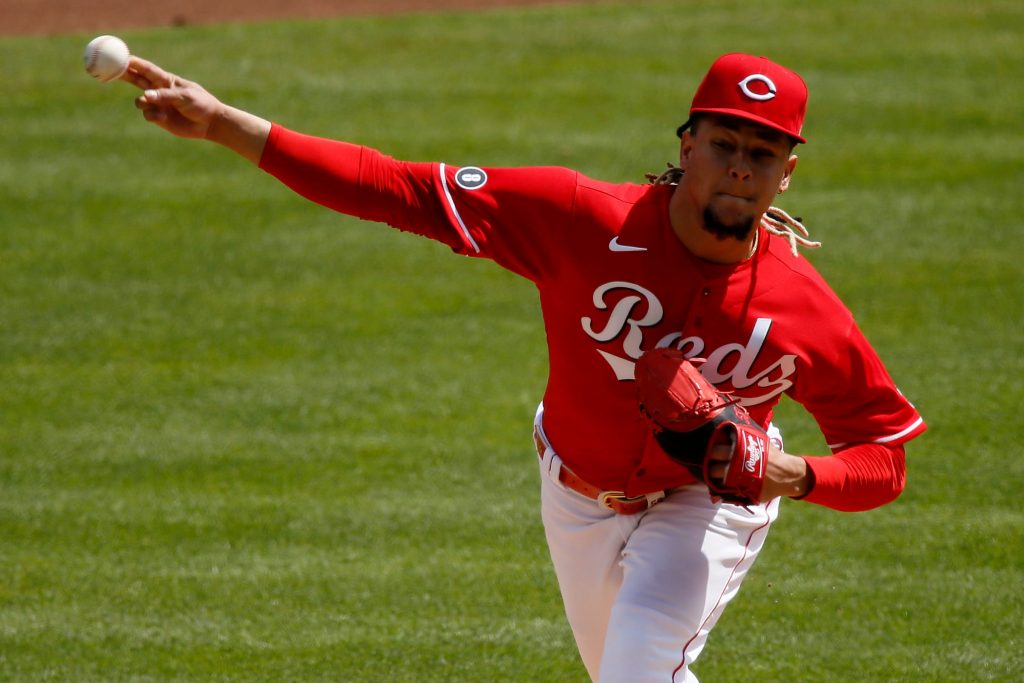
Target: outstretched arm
(348, 178)
(186, 109)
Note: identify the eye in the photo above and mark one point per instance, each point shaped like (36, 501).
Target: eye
(764, 154)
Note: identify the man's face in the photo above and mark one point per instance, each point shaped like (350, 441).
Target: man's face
(733, 171)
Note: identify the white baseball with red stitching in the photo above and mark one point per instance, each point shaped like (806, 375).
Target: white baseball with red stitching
(106, 58)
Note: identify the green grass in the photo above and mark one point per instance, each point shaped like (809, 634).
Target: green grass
(244, 438)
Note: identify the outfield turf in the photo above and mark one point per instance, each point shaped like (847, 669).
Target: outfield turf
(243, 438)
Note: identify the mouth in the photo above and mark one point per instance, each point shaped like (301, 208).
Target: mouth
(736, 197)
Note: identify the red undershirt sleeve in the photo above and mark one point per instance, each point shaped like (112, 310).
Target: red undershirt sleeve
(858, 478)
(358, 181)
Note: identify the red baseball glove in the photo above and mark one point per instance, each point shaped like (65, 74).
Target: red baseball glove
(691, 419)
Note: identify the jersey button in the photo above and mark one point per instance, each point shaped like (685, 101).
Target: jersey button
(706, 291)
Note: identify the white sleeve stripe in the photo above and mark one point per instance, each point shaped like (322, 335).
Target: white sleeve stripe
(890, 438)
(900, 435)
(455, 210)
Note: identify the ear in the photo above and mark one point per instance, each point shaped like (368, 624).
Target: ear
(788, 175)
(686, 144)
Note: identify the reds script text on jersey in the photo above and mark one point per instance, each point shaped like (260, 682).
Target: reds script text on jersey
(614, 281)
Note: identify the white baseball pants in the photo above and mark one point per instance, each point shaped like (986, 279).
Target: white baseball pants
(643, 591)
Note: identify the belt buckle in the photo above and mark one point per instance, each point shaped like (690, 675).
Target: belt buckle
(606, 498)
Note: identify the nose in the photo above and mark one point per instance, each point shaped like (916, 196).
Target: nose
(740, 167)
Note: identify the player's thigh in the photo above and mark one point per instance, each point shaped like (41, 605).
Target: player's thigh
(681, 566)
(585, 542)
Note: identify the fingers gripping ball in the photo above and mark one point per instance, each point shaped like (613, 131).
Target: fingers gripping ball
(106, 58)
(692, 420)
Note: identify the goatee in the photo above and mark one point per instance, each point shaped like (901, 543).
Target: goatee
(739, 231)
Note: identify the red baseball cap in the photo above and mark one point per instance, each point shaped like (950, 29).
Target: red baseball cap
(755, 89)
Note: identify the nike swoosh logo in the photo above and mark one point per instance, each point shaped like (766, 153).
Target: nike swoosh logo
(615, 246)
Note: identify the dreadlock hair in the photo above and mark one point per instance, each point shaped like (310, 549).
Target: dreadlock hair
(775, 220)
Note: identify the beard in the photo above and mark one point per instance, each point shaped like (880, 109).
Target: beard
(738, 230)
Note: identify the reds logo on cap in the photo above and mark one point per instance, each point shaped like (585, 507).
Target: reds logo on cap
(755, 89)
(758, 78)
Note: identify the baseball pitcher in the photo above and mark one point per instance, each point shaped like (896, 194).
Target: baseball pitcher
(677, 312)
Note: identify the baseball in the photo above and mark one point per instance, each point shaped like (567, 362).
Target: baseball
(106, 58)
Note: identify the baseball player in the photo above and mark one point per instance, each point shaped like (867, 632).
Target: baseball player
(647, 550)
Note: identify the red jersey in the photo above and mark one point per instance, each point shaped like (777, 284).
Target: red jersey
(614, 281)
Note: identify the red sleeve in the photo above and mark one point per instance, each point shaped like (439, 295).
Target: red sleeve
(844, 384)
(518, 217)
(859, 478)
(521, 218)
(360, 182)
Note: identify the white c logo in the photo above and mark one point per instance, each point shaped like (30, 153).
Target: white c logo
(760, 97)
